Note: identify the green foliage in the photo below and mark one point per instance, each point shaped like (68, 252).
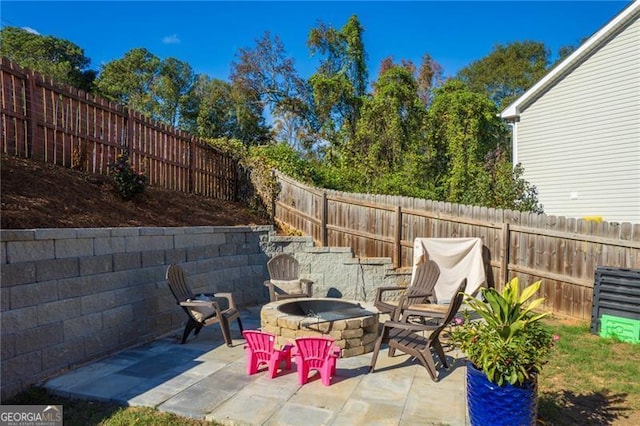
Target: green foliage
(249, 121)
(507, 72)
(389, 134)
(285, 159)
(505, 312)
(502, 185)
(565, 51)
(234, 148)
(173, 90)
(355, 55)
(403, 138)
(462, 128)
(218, 109)
(160, 89)
(509, 344)
(215, 114)
(131, 79)
(428, 76)
(126, 181)
(339, 84)
(340, 177)
(58, 59)
(334, 107)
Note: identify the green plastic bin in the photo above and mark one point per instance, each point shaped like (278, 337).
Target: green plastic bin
(625, 329)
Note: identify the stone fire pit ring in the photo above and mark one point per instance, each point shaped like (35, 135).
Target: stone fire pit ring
(351, 324)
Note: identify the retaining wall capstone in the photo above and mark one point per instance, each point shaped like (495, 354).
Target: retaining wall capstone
(71, 296)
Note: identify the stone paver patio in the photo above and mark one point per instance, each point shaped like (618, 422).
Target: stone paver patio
(205, 379)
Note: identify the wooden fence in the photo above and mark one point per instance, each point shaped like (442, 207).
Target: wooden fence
(62, 125)
(563, 252)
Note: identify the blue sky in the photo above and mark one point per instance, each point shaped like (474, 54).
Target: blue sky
(208, 34)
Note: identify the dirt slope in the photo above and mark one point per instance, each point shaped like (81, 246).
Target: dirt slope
(39, 195)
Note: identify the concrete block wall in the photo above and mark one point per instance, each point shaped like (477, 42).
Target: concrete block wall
(336, 272)
(69, 296)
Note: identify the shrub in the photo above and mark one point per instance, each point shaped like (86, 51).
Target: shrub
(126, 181)
(509, 345)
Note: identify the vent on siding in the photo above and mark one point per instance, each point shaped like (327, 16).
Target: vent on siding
(616, 292)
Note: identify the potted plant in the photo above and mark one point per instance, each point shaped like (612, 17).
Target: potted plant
(506, 349)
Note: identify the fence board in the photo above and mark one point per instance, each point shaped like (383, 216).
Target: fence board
(562, 252)
(62, 125)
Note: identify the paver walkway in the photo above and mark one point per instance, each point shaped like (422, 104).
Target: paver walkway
(205, 379)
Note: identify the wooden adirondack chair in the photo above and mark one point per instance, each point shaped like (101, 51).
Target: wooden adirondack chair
(202, 310)
(420, 291)
(285, 281)
(409, 337)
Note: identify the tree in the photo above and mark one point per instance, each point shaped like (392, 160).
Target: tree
(355, 55)
(283, 157)
(507, 72)
(290, 128)
(428, 76)
(565, 51)
(218, 109)
(389, 134)
(339, 85)
(463, 128)
(160, 89)
(469, 156)
(58, 59)
(131, 81)
(191, 106)
(503, 187)
(268, 72)
(172, 88)
(215, 116)
(267, 77)
(250, 126)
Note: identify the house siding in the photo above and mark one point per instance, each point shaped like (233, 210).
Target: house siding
(579, 142)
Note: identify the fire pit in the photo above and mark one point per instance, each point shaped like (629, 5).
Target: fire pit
(353, 325)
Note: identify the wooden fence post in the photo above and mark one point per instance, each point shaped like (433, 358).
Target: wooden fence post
(323, 220)
(504, 261)
(191, 166)
(36, 149)
(129, 136)
(397, 238)
(273, 195)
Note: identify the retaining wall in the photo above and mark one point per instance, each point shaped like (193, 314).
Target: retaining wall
(335, 271)
(70, 296)
(73, 295)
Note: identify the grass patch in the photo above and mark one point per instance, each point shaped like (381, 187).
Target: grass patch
(589, 380)
(78, 412)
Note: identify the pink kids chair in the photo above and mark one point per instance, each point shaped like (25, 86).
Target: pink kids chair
(260, 350)
(316, 353)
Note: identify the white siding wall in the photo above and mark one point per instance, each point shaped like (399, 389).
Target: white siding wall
(582, 137)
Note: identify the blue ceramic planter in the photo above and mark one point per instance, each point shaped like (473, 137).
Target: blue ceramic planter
(493, 405)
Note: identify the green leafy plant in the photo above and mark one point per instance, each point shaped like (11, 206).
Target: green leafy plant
(126, 180)
(508, 343)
